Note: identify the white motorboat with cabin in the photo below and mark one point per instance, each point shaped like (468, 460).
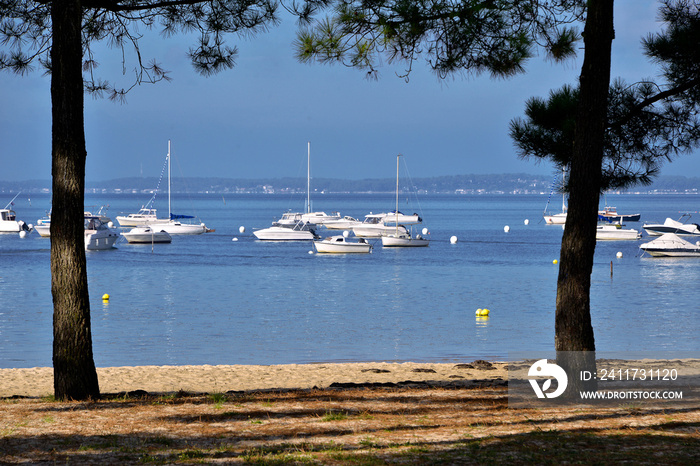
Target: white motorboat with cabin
(147, 235)
(145, 216)
(671, 245)
(673, 226)
(9, 222)
(299, 232)
(339, 244)
(345, 223)
(98, 236)
(374, 226)
(614, 231)
(401, 238)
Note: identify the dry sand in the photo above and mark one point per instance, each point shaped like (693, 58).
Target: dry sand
(38, 382)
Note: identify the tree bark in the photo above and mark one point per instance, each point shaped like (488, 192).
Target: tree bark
(75, 376)
(573, 327)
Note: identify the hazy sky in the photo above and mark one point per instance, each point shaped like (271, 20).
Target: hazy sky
(254, 121)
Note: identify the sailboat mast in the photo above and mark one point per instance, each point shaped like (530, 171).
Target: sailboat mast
(308, 178)
(170, 212)
(397, 195)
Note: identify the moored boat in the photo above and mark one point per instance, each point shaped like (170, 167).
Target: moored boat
(611, 232)
(673, 226)
(339, 244)
(398, 238)
(671, 245)
(299, 232)
(98, 236)
(147, 235)
(609, 214)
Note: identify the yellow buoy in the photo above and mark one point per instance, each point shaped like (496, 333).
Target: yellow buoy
(485, 312)
(105, 297)
(478, 312)
(555, 262)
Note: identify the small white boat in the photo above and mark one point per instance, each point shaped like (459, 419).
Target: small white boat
(345, 223)
(299, 232)
(9, 222)
(147, 235)
(98, 235)
(558, 218)
(673, 226)
(43, 227)
(144, 216)
(339, 244)
(401, 238)
(670, 245)
(404, 240)
(378, 225)
(613, 231)
(320, 218)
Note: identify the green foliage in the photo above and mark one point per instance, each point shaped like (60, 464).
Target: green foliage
(473, 36)
(647, 123)
(26, 34)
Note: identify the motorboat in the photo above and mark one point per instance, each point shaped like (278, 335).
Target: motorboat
(401, 238)
(339, 244)
(147, 235)
(98, 235)
(612, 231)
(673, 226)
(144, 216)
(609, 214)
(374, 226)
(43, 225)
(320, 218)
(9, 222)
(299, 232)
(345, 223)
(671, 245)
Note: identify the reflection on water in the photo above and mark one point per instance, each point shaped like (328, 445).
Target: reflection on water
(210, 300)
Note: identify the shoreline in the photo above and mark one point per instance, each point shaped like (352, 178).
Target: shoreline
(38, 381)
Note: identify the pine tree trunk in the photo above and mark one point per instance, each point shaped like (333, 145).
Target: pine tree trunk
(573, 328)
(75, 376)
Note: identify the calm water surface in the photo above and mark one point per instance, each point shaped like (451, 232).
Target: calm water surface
(210, 300)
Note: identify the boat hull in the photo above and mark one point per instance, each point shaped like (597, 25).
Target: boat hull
(283, 234)
(671, 245)
(613, 233)
(392, 241)
(140, 235)
(100, 240)
(177, 228)
(338, 245)
(556, 219)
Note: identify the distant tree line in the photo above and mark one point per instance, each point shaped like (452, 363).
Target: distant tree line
(503, 183)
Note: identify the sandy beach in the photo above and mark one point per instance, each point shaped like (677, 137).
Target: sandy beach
(339, 414)
(38, 382)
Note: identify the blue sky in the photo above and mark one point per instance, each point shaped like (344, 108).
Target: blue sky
(254, 121)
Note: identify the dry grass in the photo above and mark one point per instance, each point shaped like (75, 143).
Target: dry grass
(366, 426)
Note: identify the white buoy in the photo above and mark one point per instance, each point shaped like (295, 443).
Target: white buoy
(346, 233)
(234, 239)
(506, 228)
(110, 224)
(425, 231)
(23, 234)
(619, 254)
(527, 222)
(241, 229)
(453, 239)
(311, 252)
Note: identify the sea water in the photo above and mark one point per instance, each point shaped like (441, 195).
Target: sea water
(226, 298)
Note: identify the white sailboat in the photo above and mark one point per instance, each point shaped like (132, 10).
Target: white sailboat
(559, 218)
(401, 238)
(311, 218)
(173, 225)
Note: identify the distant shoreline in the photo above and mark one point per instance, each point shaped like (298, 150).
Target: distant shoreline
(509, 183)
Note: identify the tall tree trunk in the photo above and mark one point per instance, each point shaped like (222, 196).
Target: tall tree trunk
(573, 328)
(75, 376)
